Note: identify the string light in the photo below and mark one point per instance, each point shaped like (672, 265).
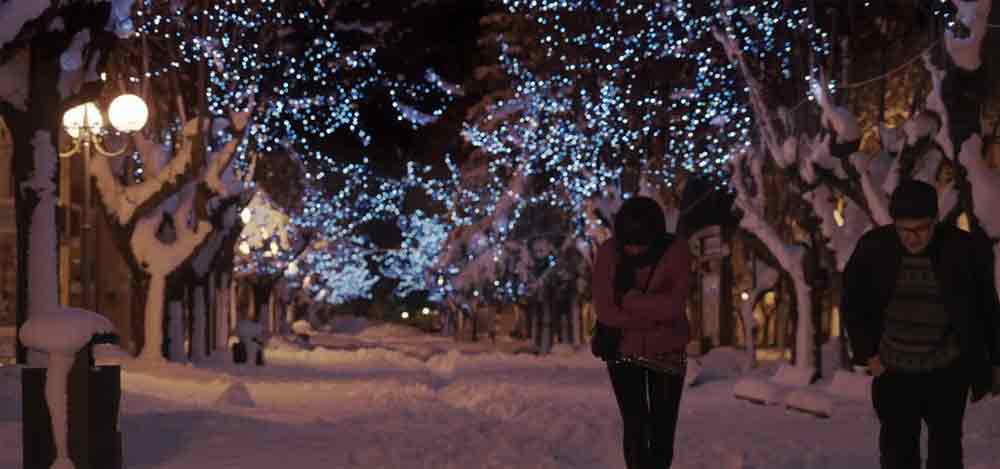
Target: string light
(598, 86)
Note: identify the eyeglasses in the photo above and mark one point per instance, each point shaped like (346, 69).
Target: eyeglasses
(918, 230)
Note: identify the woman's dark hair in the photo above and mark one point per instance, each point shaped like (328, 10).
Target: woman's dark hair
(639, 221)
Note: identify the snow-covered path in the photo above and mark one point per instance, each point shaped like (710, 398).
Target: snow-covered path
(379, 408)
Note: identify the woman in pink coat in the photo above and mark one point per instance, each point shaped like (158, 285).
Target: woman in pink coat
(642, 277)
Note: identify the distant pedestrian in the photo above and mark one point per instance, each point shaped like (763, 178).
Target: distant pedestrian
(641, 281)
(920, 308)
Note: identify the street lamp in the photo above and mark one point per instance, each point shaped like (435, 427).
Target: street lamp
(85, 125)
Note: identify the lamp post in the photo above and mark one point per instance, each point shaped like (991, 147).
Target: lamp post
(85, 125)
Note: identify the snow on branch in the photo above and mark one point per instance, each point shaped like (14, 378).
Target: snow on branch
(871, 182)
(14, 81)
(219, 176)
(15, 14)
(161, 257)
(123, 202)
(783, 150)
(965, 50)
(837, 118)
(790, 256)
(985, 182)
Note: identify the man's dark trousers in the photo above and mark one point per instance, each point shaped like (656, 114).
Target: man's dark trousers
(903, 399)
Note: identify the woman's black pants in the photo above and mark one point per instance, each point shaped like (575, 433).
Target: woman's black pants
(649, 403)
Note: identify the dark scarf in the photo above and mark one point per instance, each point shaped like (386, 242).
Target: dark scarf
(625, 271)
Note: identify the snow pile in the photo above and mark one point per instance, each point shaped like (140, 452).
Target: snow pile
(758, 391)
(499, 400)
(494, 411)
(347, 324)
(236, 394)
(563, 350)
(278, 342)
(302, 327)
(856, 386)
(792, 376)
(444, 365)
(810, 402)
(368, 357)
(720, 363)
(389, 330)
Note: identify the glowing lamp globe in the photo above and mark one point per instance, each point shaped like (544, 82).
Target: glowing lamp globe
(128, 113)
(85, 114)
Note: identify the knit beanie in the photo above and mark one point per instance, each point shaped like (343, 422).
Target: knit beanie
(913, 199)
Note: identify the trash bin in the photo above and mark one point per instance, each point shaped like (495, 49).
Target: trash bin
(240, 352)
(249, 342)
(94, 399)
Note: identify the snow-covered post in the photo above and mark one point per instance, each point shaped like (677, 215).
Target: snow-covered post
(32, 93)
(58, 332)
(61, 333)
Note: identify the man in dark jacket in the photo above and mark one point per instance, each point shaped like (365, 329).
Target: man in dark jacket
(920, 307)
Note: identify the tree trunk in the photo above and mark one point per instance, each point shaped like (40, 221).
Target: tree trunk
(234, 301)
(290, 313)
(176, 349)
(199, 336)
(783, 316)
(210, 311)
(545, 337)
(223, 312)
(576, 320)
(262, 304)
(152, 349)
(313, 314)
(727, 328)
(139, 291)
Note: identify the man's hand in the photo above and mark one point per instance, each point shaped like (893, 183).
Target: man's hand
(875, 366)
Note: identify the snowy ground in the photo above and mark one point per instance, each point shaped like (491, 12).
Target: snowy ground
(424, 402)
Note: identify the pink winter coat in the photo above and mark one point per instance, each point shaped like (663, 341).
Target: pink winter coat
(653, 322)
